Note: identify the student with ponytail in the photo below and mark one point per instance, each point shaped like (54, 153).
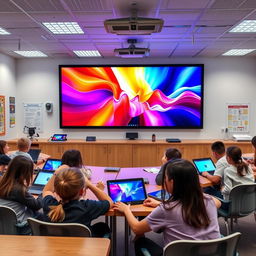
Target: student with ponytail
(237, 173)
(64, 205)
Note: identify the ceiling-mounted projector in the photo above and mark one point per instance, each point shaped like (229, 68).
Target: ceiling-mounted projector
(132, 51)
(133, 26)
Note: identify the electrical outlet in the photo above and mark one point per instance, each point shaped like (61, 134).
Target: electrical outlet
(223, 129)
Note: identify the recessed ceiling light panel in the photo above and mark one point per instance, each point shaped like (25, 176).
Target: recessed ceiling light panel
(31, 54)
(246, 26)
(238, 52)
(87, 53)
(63, 27)
(4, 32)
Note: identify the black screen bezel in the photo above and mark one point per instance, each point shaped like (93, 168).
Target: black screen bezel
(134, 127)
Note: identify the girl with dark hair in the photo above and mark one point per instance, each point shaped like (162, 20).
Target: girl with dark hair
(187, 214)
(4, 159)
(73, 158)
(237, 173)
(13, 189)
(61, 200)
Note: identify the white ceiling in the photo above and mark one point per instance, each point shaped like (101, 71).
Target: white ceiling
(192, 28)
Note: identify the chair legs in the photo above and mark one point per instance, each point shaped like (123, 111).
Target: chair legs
(227, 226)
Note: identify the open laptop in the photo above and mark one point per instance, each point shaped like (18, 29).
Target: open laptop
(158, 195)
(40, 181)
(130, 191)
(51, 164)
(59, 137)
(204, 165)
(34, 153)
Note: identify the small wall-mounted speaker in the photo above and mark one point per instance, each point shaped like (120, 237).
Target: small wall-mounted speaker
(49, 107)
(132, 135)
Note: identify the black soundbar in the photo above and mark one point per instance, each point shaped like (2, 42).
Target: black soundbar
(173, 140)
(90, 138)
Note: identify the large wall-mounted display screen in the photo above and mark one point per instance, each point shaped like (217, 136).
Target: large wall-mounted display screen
(138, 96)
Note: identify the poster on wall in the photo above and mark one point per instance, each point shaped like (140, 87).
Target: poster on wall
(33, 115)
(2, 115)
(238, 117)
(12, 111)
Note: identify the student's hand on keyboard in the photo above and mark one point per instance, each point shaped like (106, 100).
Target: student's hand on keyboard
(151, 202)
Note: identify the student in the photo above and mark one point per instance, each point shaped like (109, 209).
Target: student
(218, 152)
(65, 205)
(4, 158)
(187, 214)
(24, 145)
(169, 155)
(73, 158)
(13, 189)
(237, 173)
(252, 162)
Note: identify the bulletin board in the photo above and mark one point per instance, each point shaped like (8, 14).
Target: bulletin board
(238, 117)
(2, 115)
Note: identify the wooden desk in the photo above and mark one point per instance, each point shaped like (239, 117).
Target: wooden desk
(53, 246)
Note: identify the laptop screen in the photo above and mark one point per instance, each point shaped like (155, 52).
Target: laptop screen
(34, 153)
(52, 164)
(204, 165)
(59, 137)
(42, 178)
(128, 190)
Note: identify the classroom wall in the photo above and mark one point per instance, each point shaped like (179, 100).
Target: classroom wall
(227, 80)
(8, 88)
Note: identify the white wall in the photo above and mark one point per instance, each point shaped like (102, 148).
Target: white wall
(227, 80)
(7, 89)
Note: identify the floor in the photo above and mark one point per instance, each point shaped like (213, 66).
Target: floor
(246, 246)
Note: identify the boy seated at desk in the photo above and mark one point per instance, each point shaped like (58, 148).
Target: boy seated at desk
(23, 146)
(169, 155)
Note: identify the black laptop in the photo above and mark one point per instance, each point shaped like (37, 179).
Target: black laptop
(204, 165)
(34, 153)
(40, 181)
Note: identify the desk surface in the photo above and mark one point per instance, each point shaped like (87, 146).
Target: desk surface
(53, 246)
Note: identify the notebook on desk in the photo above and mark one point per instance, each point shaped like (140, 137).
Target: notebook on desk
(40, 181)
(204, 165)
(131, 191)
(34, 153)
(51, 164)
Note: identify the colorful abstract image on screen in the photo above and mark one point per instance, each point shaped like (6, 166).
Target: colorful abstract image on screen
(52, 164)
(143, 96)
(127, 191)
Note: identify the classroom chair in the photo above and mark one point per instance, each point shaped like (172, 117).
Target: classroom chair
(41, 228)
(9, 224)
(225, 246)
(242, 202)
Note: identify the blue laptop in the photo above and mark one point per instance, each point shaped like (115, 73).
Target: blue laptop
(204, 165)
(51, 164)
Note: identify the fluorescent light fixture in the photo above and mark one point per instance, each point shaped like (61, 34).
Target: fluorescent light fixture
(238, 52)
(63, 27)
(31, 54)
(246, 26)
(4, 32)
(87, 53)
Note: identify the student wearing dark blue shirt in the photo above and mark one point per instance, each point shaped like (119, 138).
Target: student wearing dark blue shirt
(65, 205)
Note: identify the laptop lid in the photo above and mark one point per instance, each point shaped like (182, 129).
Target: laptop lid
(204, 165)
(51, 164)
(40, 181)
(127, 190)
(59, 137)
(34, 153)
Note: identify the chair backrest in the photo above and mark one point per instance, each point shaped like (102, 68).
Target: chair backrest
(243, 200)
(225, 246)
(41, 228)
(8, 221)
